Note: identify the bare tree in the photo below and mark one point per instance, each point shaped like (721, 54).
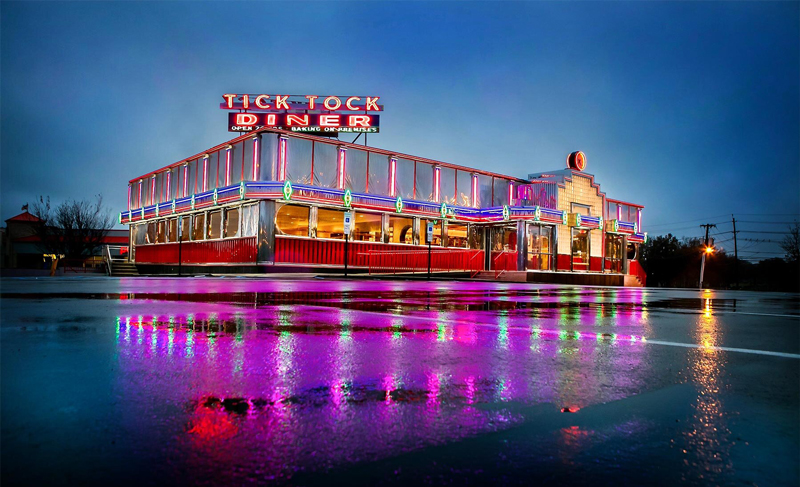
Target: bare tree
(791, 243)
(74, 229)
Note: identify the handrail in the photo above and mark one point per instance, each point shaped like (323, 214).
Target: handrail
(499, 273)
(413, 261)
(474, 269)
(107, 258)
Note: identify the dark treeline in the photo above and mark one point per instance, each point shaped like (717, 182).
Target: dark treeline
(670, 262)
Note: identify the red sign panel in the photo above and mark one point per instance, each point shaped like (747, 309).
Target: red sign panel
(314, 123)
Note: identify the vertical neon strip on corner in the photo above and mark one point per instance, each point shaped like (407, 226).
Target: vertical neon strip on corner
(169, 185)
(510, 193)
(256, 156)
(436, 180)
(185, 181)
(639, 219)
(619, 212)
(342, 161)
(474, 190)
(392, 176)
(228, 166)
(140, 203)
(129, 197)
(205, 173)
(153, 190)
(282, 158)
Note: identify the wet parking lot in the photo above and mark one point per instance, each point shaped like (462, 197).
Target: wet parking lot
(305, 381)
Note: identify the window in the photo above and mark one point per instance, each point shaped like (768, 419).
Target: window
(405, 179)
(614, 246)
(292, 220)
(378, 174)
(198, 229)
(330, 223)
(140, 234)
(437, 232)
(172, 230)
(424, 187)
(356, 171)
(401, 230)
(237, 163)
(250, 221)
(464, 180)
(186, 227)
(325, 164)
(484, 199)
(447, 186)
(298, 160)
(214, 224)
(151, 233)
(231, 223)
(500, 195)
(456, 235)
(367, 227)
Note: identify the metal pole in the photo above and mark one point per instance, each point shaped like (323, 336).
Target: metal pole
(703, 260)
(346, 240)
(429, 258)
(735, 255)
(180, 257)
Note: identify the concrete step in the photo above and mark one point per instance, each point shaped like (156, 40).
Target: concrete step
(507, 276)
(124, 269)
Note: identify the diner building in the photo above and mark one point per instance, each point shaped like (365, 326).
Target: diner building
(275, 200)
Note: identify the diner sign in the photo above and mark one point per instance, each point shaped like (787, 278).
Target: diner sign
(321, 115)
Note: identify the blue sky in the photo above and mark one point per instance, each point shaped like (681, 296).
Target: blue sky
(692, 109)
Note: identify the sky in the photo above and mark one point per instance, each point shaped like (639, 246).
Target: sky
(691, 109)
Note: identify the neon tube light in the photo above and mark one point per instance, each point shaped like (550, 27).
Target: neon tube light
(475, 190)
(169, 185)
(436, 175)
(205, 172)
(153, 190)
(228, 152)
(282, 158)
(510, 193)
(342, 160)
(185, 180)
(255, 158)
(129, 197)
(392, 176)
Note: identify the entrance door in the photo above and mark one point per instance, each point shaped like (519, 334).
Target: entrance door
(540, 247)
(580, 249)
(614, 246)
(503, 248)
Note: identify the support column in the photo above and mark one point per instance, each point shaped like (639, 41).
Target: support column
(522, 245)
(266, 232)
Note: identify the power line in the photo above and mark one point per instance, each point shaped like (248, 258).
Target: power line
(775, 223)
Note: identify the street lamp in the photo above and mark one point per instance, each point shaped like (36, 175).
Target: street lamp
(708, 250)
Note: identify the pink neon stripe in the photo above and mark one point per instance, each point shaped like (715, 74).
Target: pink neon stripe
(227, 167)
(255, 159)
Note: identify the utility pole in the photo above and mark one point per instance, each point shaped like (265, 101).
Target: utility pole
(705, 251)
(735, 255)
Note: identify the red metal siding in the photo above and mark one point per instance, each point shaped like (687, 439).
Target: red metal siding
(229, 251)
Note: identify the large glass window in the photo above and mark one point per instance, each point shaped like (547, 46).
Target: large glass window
(405, 179)
(198, 229)
(231, 223)
(424, 187)
(214, 224)
(484, 191)
(172, 230)
(330, 223)
(464, 183)
(292, 220)
(401, 230)
(456, 235)
(151, 233)
(500, 196)
(378, 174)
(437, 233)
(580, 249)
(325, 165)
(367, 227)
(236, 163)
(186, 228)
(212, 171)
(356, 171)
(540, 247)
(248, 161)
(250, 221)
(161, 231)
(192, 187)
(447, 186)
(140, 234)
(298, 160)
(268, 168)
